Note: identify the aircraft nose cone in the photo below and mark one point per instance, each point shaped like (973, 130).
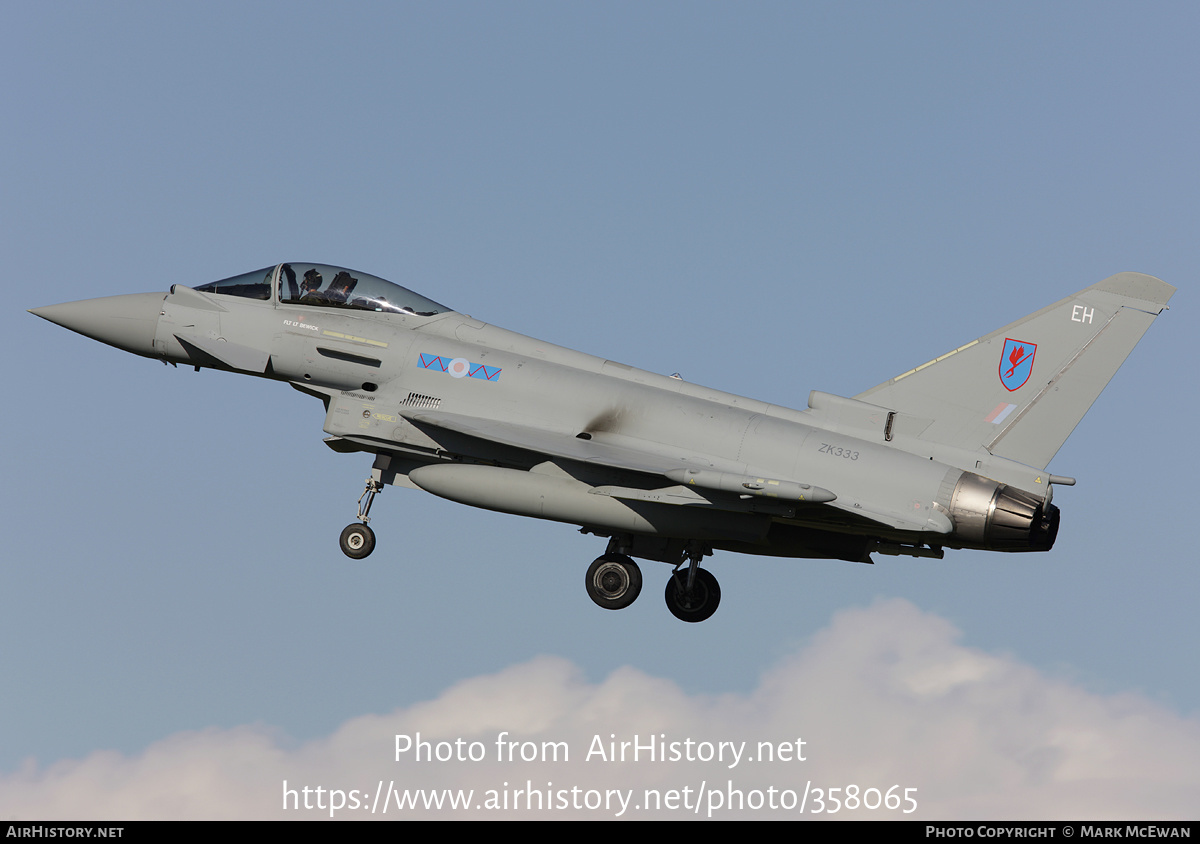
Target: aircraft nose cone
(127, 322)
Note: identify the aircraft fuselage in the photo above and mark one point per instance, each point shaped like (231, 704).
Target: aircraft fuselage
(665, 468)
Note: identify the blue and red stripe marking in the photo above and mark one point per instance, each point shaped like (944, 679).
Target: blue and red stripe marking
(439, 363)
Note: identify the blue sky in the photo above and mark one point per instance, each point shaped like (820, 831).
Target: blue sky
(768, 198)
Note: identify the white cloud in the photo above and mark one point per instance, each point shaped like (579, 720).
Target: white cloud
(884, 697)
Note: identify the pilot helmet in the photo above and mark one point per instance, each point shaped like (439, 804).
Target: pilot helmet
(312, 280)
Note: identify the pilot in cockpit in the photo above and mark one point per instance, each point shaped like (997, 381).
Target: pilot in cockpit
(311, 284)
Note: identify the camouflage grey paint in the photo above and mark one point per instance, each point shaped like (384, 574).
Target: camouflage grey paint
(950, 454)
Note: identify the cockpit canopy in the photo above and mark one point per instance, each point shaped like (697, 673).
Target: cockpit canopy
(325, 286)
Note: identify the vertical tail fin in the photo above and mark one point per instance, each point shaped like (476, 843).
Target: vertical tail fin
(1020, 391)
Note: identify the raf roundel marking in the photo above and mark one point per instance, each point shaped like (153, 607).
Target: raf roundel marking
(458, 368)
(1016, 363)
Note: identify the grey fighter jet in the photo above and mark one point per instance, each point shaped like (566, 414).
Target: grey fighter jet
(949, 454)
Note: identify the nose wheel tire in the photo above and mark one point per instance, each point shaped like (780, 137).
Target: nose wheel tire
(697, 605)
(614, 581)
(357, 541)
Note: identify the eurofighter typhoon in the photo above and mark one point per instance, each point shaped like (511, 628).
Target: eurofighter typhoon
(950, 454)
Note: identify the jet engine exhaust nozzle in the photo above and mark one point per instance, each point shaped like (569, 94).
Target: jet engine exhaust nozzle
(998, 517)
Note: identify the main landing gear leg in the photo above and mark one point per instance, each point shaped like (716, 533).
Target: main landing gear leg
(358, 540)
(695, 594)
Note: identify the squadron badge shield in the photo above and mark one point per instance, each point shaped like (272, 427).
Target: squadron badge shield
(1016, 363)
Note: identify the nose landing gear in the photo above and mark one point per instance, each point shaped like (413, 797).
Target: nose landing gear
(358, 540)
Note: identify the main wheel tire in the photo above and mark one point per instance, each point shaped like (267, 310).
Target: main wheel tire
(357, 541)
(614, 581)
(701, 603)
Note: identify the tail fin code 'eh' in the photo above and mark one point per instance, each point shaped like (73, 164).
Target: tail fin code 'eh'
(1021, 390)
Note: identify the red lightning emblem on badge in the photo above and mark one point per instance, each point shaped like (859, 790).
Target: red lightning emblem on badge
(1016, 360)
